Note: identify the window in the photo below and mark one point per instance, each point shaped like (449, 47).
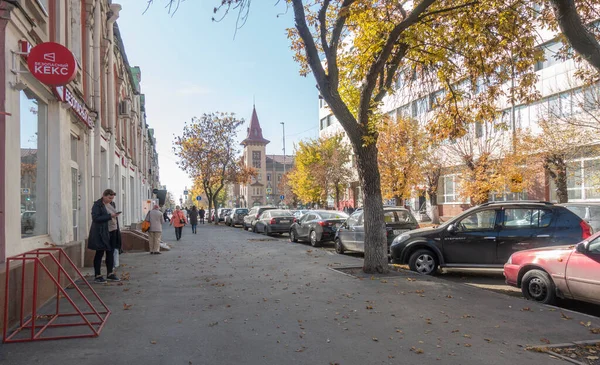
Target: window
(449, 188)
(256, 159)
(550, 55)
(268, 177)
(278, 177)
(527, 218)
(353, 220)
(398, 216)
(34, 173)
(323, 123)
(594, 246)
(478, 129)
(478, 221)
(420, 106)
(259, 177)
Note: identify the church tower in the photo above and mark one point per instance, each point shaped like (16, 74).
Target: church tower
(254, 156)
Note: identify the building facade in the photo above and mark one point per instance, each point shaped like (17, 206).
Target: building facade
(264, 188)
(561, 93)
(74, 141)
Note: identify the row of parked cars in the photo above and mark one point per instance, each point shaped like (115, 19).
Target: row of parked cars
(547, 250)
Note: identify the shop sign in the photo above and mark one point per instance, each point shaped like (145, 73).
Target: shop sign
(79, 108)
(52, 64)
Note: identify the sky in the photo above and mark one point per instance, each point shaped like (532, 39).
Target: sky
(192, 65)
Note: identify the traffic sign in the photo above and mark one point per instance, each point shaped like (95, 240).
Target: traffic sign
(269, 190)
(198, 198)
(185, 192)
(282, 197)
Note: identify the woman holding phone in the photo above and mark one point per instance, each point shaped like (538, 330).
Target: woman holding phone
(104, 235)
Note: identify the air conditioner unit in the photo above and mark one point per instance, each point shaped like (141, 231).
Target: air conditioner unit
(125, 108)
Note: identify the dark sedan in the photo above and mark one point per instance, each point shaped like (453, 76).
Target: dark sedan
(351, 235)
(236, 216)
(317, 226)
(274, 221)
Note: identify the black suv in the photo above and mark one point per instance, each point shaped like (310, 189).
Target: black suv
(253, 214)
(486, 236)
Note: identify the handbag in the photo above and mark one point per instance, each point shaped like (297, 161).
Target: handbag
(181, 220)
(145, 226)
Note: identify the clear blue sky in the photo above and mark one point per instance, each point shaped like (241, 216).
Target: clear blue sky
(191, 65)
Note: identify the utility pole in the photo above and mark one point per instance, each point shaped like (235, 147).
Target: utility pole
(283, 125)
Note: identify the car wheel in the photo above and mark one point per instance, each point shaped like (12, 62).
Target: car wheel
(244, 227)
(293, 236)
(424, 262)
(267, 231)
(313, 239)
(538, 286)
(339, 246)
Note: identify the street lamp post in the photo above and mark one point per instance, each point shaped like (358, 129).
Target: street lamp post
(283, 125)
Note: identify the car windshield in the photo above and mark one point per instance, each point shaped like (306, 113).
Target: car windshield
(333, 215)
(241, 211)
(281, 213)
(398, 216)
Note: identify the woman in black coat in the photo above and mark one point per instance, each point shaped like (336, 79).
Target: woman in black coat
(101, 239)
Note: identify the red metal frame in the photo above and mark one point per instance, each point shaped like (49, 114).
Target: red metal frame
(27, 321)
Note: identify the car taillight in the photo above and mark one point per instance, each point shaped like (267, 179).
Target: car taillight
(295, 220)
(586, 230)
(272, 221)
(324, 224)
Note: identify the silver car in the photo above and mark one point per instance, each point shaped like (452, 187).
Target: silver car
(236, 216)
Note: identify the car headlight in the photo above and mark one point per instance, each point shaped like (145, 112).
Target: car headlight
(400, 239)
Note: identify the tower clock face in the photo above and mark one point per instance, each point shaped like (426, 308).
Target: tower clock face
(256, 159)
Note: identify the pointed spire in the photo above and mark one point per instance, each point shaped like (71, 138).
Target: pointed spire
(254, 131)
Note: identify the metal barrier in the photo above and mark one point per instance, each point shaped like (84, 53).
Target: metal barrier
(33, 324)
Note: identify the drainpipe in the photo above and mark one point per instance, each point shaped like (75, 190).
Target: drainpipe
(97, 165)
(112, 122)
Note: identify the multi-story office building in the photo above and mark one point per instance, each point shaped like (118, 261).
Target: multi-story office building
(561, 94)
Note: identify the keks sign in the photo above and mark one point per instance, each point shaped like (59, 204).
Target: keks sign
(52, 64)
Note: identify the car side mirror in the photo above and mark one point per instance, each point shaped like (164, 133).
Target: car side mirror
(582, 247)
(451, 228)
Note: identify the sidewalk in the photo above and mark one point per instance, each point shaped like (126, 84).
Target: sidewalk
(226, 296)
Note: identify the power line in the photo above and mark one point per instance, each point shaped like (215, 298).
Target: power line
(295, 134)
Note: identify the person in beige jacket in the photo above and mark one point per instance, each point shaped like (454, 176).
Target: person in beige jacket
(156, 219)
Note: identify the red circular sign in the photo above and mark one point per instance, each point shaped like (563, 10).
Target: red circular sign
(52, 63)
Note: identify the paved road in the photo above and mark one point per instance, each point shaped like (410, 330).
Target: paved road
(226, 296)
(488, 279)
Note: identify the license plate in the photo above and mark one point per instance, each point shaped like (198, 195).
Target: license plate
(284, 221)
(399, 231)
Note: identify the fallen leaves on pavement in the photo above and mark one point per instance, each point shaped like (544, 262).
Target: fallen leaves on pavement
(127, 306)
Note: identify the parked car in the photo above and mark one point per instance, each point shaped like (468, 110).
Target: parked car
(253, 215)
(27, 221)
(236, 216)
(486, 236)
(223, 212)
(317, 226)
(274, 221)
(299, 213)
(590, 212)
(565, 271)
(351, 235)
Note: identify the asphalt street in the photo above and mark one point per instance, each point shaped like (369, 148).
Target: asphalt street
(226, 296)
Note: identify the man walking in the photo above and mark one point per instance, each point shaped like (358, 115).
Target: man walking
(156, 219)
(201, 213)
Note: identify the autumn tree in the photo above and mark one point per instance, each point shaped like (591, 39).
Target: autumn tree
(354, 49)
(335, 157)
(402, 146)
(207, 151)
(285, 188)
(307, 178)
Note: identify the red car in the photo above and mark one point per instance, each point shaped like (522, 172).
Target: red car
(565, 271)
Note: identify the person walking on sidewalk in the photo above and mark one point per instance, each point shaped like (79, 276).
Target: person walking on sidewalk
(104, 235)
(202, 213)
(166, 216)
(156, 219)
(194, 219)
(178, 221)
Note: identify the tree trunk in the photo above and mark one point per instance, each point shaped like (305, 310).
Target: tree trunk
(556, 167)
(581, 39)
(399, 202)
(337, 196)
(376, 254)
(215, 204)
